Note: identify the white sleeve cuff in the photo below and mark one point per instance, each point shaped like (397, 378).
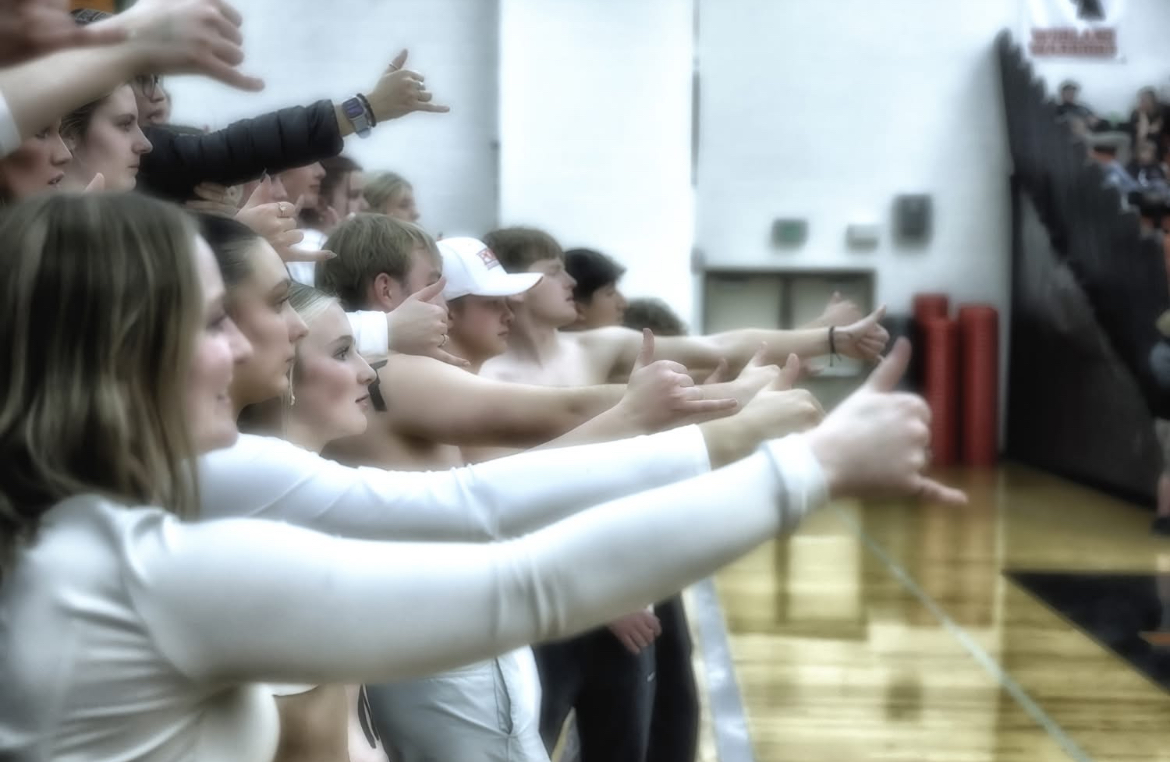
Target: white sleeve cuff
(801, 476)
(370, 332)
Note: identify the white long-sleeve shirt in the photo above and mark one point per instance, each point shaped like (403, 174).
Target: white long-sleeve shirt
(269, 478)
(371, 334)
(128, 634)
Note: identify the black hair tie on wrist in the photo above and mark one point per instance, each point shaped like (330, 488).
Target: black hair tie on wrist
(832, 345)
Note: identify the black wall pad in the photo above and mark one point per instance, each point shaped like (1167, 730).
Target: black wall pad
(1073, 407)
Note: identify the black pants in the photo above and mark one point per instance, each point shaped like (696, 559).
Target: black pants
(611, 689)
(674, 729)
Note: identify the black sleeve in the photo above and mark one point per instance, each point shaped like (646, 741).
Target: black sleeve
(291, 137)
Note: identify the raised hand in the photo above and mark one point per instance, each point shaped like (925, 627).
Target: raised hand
(276, 222)
(756, 375)
(780, 410)
(418, 326)
(400, 92)
(636, 631)
(865, 339)
(186, 37)
(661, 394)
(789, 374)
(838, 311)
(874, 444)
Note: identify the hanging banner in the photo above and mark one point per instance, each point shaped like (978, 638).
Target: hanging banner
(1084, 29)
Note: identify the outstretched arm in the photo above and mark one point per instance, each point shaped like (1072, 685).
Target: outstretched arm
(615, 348)
(274, 142)
(396, 610)
(263, 477)
(159, 36)
(431, 400)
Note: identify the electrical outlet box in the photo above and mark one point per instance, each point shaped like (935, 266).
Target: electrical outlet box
(863, 236)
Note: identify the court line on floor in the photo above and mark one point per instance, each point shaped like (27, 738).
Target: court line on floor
(981, 656)
(733, 741)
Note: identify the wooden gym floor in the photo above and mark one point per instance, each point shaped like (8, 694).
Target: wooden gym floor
(1027, 626)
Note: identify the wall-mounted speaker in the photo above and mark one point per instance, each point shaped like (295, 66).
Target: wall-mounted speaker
(789, 233)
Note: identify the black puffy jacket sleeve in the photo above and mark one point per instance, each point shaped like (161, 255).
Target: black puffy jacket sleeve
(274, 142)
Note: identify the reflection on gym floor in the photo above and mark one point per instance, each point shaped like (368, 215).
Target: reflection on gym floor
(894, 633)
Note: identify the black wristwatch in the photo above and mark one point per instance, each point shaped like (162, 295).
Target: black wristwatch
(359, 116)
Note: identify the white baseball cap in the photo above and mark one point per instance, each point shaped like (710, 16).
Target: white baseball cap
(471, 269)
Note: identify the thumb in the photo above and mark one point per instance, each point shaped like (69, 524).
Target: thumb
(399, 60)
(719, 375)
(298, 206)
(97, 184)
(788, 374)
(262, 194)
(932, 491)
(450, 359)
(760, 357)
(646, 353)
(891, 369)
(430, 292)
(836, 297)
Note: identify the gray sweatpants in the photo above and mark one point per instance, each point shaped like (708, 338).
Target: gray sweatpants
(488, 711)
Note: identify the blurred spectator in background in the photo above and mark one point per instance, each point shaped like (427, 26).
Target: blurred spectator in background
(656, 315)
(389, 193)
(1071, 109)
(596, 295)
(1146, 169)
(1147, 122)
(154, 102)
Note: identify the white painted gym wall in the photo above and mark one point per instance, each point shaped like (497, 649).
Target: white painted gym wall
(595, 126)
(827, 115)
(309, 50)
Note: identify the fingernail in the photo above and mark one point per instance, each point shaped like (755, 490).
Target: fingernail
(330, 255)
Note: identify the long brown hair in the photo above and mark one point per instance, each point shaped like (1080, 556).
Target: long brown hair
(100, 304)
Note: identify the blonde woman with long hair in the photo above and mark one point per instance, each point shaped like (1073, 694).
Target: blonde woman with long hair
(333, 381)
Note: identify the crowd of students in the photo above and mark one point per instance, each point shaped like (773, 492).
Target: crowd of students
(283, 477)
(1131, 149)
(1133, 153)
